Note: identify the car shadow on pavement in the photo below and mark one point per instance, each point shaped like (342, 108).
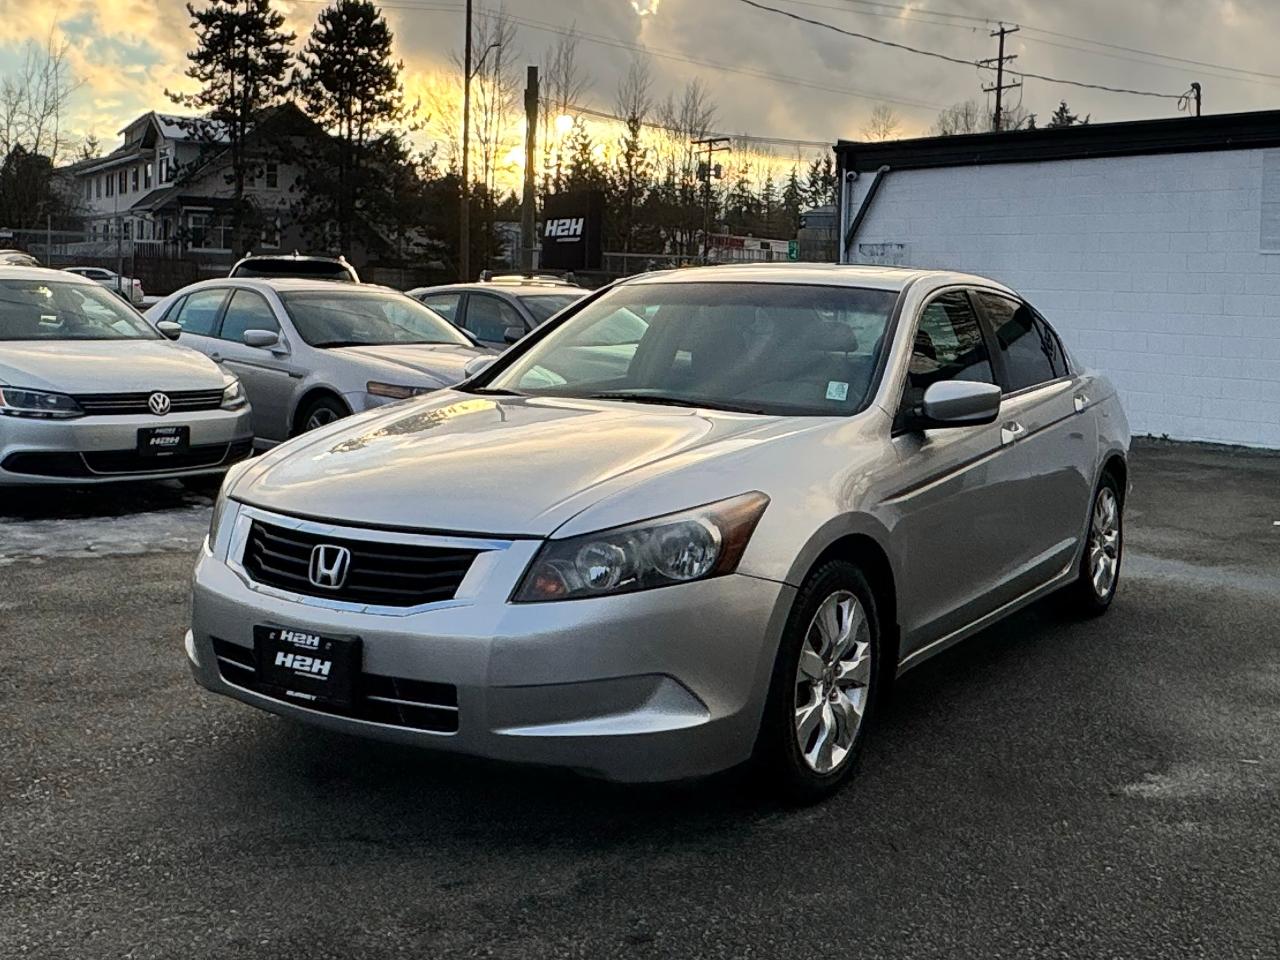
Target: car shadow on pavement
(105, 501)
(400, 796)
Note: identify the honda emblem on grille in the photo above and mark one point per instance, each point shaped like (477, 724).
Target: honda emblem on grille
(329, 566)
(159, 403)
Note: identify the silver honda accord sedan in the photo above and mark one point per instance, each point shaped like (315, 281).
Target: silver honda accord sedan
(313, 351)
(702, 517)
(90, 393)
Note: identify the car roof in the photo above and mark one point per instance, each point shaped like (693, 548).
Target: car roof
(43, 273)
(818, 274)
(293, 258)
(531, 288)
(286, 284)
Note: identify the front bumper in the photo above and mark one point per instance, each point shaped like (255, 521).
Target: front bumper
(102, 449)
(657, 685)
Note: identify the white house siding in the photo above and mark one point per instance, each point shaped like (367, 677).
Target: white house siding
(1149, 266)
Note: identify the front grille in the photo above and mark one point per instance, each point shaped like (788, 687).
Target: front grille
(395, 701)
(180, 401)
(380, 573)
(124, 462)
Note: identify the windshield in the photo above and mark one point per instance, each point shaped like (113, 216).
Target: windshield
(52, 310)
(308, 269)
(758, 347)
(544, 305)
(364, 317)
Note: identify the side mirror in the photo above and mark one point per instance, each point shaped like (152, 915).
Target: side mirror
(512, 334)
(260, 338)
(958, 403)
(167, 328)
(476, 365)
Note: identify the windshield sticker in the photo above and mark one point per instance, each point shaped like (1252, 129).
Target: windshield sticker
(837, 390)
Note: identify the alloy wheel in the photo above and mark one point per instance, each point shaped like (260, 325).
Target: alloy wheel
(833, 680)
(319, 417)
(1104, 543)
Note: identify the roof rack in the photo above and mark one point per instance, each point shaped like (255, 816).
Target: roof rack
(529, 279)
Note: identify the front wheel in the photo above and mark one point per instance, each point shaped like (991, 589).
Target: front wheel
(823, 687)
(322, 411)
(1099, 576)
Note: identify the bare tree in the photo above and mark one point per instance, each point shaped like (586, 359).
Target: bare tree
(883, 124)
(563, 82)
(684, 120)
(633, 102)
(966, 117)
(33, 101)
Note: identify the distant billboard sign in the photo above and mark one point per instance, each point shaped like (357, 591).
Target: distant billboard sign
(573, 231)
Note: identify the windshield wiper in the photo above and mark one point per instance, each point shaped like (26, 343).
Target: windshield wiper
(671, 401)
(495, 392)
(325, 344)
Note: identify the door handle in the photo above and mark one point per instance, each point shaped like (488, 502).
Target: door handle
(1010, 432)
(215, 357)
(1081, 402)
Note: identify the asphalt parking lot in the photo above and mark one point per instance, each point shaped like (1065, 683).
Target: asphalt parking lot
(1049, 789)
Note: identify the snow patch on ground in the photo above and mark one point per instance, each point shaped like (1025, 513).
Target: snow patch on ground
(36, 540)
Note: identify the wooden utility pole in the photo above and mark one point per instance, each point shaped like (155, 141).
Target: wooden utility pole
(464, 215)
(706, 169)
(528, 214)
(1000, 60)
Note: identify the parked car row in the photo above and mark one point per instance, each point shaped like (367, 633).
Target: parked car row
(696, 519)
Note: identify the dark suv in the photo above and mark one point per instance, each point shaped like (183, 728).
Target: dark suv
(265, 266)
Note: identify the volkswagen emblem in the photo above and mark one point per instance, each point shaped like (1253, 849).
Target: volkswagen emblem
(159, 403)
(329, 566)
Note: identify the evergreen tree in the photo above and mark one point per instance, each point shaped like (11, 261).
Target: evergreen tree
(793, 201)
(1063, 117)
(768, 206)
(241, 62)
(632, 170)
(584, 169)
(350, 85)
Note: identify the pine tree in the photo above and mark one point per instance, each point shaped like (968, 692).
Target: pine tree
(632, 173)
(241, 61)
(1063, 117)
(768, 206)
(584, 170)
(350, 85)
(793, 201)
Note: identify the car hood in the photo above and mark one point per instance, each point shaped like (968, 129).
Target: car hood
(487, 465)
(106, 366)
(444, 362)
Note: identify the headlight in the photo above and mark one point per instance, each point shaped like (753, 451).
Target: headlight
(692, 545)
(233, 396)
(37, 404)
(395, 391)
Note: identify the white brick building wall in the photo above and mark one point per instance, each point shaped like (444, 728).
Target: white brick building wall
(1149, 266)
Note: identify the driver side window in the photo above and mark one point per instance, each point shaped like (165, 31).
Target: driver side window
(949, 345)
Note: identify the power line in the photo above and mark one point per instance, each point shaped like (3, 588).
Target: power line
(672, 55)
(957, 60)
(654, 125)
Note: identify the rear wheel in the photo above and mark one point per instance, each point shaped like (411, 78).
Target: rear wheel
(824, 685)
(1099, 576)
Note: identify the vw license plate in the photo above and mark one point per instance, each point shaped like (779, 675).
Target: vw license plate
(303, 666)
(163, 441)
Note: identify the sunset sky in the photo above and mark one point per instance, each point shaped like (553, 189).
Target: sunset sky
(768, 76)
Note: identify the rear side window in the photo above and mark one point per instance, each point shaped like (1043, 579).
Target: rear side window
(445, 304)
(949, 345)
(199, 314)
(1030, 351)
(488, 317)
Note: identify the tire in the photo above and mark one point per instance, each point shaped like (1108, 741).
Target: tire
(321, 412)
(1099, 576)
(839, 688)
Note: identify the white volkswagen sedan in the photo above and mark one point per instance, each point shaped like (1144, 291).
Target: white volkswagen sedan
(89, 392)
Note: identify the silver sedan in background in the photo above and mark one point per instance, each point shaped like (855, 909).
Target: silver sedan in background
(311, 351)
(89, 392)
(699, 518)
